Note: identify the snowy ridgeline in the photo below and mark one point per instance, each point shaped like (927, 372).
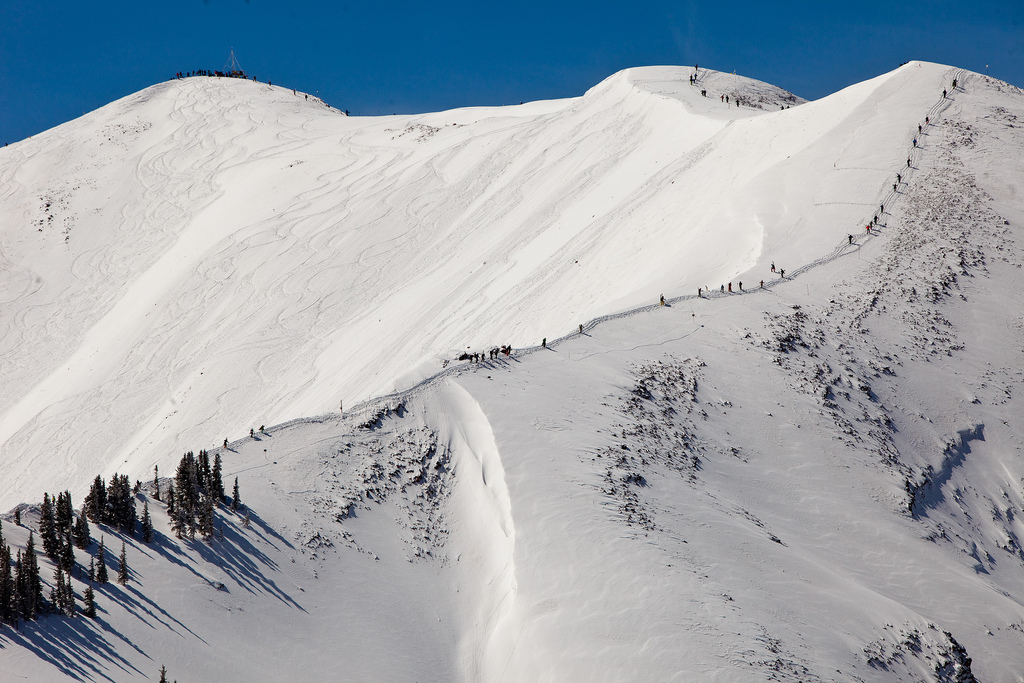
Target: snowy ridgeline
(212, 253)
(817, 481)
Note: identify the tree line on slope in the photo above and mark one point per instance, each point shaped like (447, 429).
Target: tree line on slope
(191, 500)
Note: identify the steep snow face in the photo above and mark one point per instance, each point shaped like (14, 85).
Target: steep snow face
(818, 481)
(211, 254)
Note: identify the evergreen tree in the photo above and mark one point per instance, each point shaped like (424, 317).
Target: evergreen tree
(96, 501)
(6, 584)
(17, 516)
(101, 564)
(92, 569)
(206, 518)
(156, 482)
(69, 595)
(147, 524)
(64, 515)
(33, 591)
(62, 596)
(89, 597)
(121, 504)
(217, 483)
(47, 530)
(18, 599)
(205, 475)
(130, 518)
(67, 555)
(163, 674)
(187, 496)
(82, 539)
(236, 500)
(170, 499)
(179, 523)
(122, 571)
(29, 585)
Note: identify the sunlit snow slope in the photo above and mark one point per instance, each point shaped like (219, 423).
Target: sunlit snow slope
(213, 254)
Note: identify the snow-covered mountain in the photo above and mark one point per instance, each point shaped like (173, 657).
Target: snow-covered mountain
(817, 480)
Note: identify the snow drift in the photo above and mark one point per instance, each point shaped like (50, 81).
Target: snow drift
(213, 254)
(816, 481)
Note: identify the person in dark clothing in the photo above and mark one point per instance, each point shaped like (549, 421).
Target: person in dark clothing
(850, 237)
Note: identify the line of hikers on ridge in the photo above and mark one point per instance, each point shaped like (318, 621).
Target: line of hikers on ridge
(874, 220)
(212, 74)
(695, 77)
(724, 289)
(727, 289)
(478, 356)
(241, 74)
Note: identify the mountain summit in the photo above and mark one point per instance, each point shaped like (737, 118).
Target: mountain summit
(214, 253)
(755, 413)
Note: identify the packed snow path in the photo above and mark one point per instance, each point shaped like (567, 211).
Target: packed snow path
(819, 484)
(844, 247)
(212, 253)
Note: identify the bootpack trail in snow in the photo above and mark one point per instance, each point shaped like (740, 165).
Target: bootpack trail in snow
(843, 248)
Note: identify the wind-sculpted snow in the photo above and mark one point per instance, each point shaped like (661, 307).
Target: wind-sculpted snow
(817, 480)
(210, 254)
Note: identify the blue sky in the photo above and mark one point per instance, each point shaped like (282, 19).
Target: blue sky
(61, 59)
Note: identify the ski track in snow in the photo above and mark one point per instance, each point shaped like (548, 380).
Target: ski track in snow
(210, 303)
(657, 498)
(842, 248)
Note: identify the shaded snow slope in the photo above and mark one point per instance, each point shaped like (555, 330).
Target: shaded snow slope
(211, 254)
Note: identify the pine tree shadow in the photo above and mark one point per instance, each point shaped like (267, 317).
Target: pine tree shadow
(243, 561)
(231, 550)
(77, 647)
(144, 609)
